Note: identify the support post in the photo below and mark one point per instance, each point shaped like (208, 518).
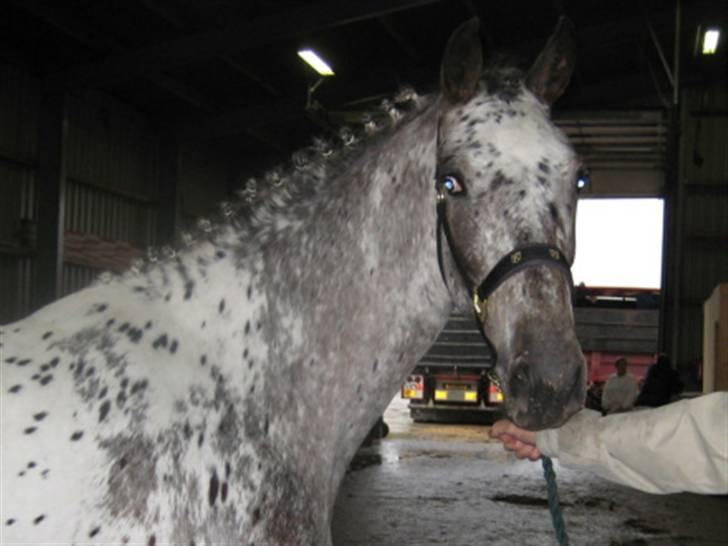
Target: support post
(50, 194)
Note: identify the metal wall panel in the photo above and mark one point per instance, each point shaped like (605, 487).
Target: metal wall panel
(93, 211)
(704, 225)
(19, 102)
(623, 150)
(76, 277)
(112, 146)
(15, 277)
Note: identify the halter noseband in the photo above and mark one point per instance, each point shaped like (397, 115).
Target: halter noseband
(518, 259)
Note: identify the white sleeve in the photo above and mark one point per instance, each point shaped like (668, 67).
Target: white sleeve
(682, 446)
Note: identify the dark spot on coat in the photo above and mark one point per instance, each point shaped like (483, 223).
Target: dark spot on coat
(500, 180)
(37, 520)
(214, 486)
(103, 392)
(227, 470)
(161, 341)
(24, 362)
(40, 415)
(173, 346)
(187, 430)
(543, 167)
(375, 365)
(124, 327)
(152, 541)
(110, 322)
(554, 212)
(224, 492)
(250, 291)
(9, 521)
(102, 307)
(189, 288)
(104, 410)
(203, 360)
(35, 376)
(121, 399)
(135, 335)
(15, 388)
(522, 194)
(543, 181)
(247, 327)
(47, 335)
(31, 464)
(148, 325)
(221, 306)
(54, 362)
(200, 439)
(220, 254)
(94, 532)
(10, 359)
(168, 297)
(44, 367)
(76, 436)
(139, 386)
(47, 379)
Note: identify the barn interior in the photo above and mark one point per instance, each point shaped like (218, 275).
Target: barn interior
(124, 122)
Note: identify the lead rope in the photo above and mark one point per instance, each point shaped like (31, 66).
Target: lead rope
(552, 492)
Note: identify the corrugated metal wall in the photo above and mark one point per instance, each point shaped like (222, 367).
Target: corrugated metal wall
(112, 156)
(624, 150)
(19, 104)
(704, 225)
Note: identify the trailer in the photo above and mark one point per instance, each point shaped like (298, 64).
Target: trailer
(454, 381)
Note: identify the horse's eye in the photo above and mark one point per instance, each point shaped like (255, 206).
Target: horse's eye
(582, 179)
(452, 184)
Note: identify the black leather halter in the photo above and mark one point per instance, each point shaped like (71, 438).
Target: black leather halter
(518, 259)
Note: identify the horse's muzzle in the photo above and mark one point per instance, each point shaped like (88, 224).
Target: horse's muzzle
(538, 401)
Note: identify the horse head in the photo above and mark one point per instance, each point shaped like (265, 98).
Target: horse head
(506, 183)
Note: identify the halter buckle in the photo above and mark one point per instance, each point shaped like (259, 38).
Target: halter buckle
(480, 306)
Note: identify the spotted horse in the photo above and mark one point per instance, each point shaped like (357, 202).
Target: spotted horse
(215, 393)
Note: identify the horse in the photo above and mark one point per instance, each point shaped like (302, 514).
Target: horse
(215, 392)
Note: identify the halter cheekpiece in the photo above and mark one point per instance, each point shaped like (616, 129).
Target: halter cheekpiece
(520, 258)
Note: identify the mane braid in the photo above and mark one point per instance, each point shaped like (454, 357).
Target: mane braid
(284, 196)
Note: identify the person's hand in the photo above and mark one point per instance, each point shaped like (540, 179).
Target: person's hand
(520, 441)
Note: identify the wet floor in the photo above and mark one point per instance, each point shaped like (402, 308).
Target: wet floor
(449, 485)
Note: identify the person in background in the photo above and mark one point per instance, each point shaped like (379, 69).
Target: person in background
(680, 447)
(661, 384)
(621, 390)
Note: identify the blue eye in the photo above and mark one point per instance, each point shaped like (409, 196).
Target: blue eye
(452, 184)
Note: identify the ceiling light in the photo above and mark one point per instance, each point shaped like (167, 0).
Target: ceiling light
(315, 62)
(710, 41)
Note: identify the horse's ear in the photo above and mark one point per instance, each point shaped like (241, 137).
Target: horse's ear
(550, 74)
(462, 63)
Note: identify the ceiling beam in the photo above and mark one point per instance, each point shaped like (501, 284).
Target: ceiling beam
(237, 37)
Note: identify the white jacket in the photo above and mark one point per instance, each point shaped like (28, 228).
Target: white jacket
(682, 446)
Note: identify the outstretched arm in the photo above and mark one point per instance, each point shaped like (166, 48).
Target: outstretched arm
(679, 447)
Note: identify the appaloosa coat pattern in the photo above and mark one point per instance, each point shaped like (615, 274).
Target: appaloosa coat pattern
(214, 393)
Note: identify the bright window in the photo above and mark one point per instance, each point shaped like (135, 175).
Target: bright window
(619, 242)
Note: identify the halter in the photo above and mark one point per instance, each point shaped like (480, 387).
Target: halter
(515, 261)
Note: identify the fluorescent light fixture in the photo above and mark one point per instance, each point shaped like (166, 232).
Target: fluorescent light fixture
(315, 62)
(710, 41)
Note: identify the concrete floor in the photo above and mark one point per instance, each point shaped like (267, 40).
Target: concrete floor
(448, 485)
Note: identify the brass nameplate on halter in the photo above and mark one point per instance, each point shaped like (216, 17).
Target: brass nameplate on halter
(516, 257)
(480, 306)
(554, 254)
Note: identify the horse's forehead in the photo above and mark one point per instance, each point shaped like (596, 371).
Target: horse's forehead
(511, 130)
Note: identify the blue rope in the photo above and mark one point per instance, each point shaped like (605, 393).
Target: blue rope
(557, 518)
